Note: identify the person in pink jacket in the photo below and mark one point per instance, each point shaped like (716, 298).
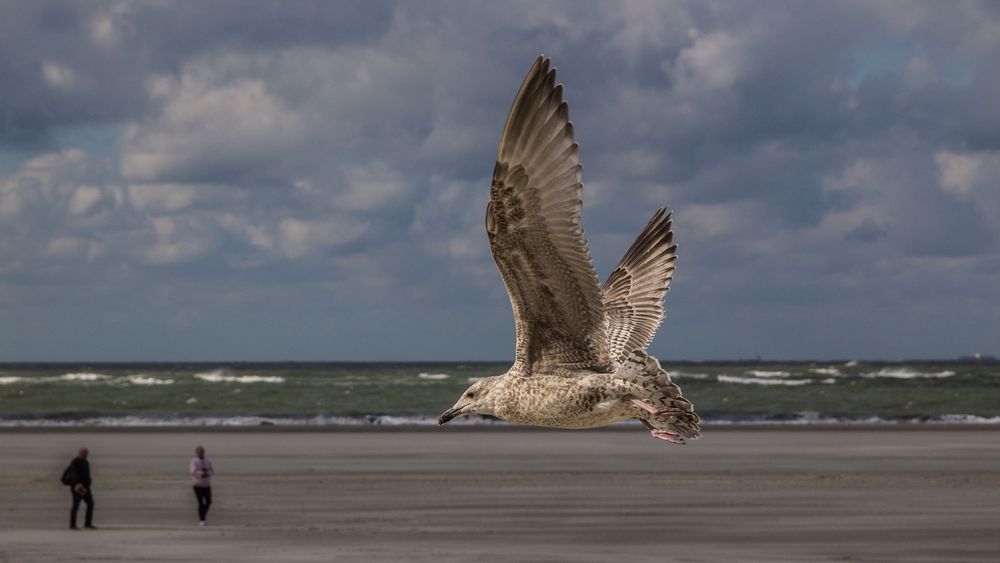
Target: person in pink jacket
(201, 478)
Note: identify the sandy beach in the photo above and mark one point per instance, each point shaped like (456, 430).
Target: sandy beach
(461, 494)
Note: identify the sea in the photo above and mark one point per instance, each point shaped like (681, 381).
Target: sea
(368, 394)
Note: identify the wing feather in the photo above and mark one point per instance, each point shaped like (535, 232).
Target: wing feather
(533, 223)
(633, 293)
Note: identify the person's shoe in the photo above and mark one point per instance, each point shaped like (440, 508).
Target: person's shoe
(202, 523)
(90, 527)
(73, 527)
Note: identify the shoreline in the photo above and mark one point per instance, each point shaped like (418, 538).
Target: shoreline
(924, 494)
(503, 427)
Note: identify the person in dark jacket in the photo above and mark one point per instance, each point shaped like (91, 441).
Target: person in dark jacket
(79, 486)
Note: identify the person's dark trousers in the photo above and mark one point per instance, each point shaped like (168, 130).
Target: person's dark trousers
(87, 498)
(204, 496)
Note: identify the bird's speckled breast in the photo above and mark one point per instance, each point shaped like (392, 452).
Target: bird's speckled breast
(564, 402)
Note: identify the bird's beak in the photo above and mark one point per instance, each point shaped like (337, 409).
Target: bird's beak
(448, 415)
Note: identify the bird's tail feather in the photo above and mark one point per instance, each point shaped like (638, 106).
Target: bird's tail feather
(645, 371)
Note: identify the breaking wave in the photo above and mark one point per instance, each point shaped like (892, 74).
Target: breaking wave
(220, 376)
(143, 380)
(689, 375)
(86, 376)
(904, 373)
(754, 381)
(434, 376)
(765, 373)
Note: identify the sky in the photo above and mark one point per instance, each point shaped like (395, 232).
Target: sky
(307, 181)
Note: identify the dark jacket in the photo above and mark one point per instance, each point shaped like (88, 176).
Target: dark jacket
(79, 472)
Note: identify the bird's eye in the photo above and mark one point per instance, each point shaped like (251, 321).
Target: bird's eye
(470, 395)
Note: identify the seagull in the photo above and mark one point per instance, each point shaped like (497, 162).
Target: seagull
(580, 359)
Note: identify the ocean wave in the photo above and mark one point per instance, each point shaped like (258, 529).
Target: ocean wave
(84, 376)
(143, 380)
(243, 421)
(754, 381)
(905, 373)
(11, 379)
(851, 364)
(825, 371)
(220, 376)
(434, 376)
(689, 375)
(765, 373)
(250, 421)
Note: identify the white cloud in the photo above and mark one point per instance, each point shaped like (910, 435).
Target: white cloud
(298, 237)
(10, 199)
(206, 127)
(58, 76)
(714, 61)
(62, 246)
(966, 174)
(972, 177)
(179, 239)
(84, 199)
(638, 26)
(370, 187)
(255, 234)
(720, 220)
(161, 198)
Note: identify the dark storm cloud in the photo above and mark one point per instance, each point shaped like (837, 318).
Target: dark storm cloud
(307, 180)
(68, 64)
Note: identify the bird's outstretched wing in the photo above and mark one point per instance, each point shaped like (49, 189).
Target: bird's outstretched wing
(633, 294)
(533, 222)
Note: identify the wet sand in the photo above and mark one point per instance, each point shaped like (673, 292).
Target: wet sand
(456, 494)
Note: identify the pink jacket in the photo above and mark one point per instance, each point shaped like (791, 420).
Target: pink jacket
(201, 472)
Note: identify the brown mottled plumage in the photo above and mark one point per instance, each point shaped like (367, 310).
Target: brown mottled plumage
(579, 359)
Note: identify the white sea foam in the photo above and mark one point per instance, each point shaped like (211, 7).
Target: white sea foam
(764, 373)
(247, 420)
(219, 376)
(967, 419)
(851, 364)
(373, 420)
(143, 380)
(828, 381)
(11, 379)
(83, 376)
(689, 375)
(825, 371)
(474, 379)
(435, 376)
(906, 373)
(755, 381)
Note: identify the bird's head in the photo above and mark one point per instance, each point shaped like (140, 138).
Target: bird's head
(479, 398)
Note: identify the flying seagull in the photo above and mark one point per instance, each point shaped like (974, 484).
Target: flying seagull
(580, 359)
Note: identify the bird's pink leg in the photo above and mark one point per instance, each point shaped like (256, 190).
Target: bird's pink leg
(668, 436)
(660, 433)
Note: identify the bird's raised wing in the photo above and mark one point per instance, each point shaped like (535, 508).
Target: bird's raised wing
(533, 222)
(633, 294)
